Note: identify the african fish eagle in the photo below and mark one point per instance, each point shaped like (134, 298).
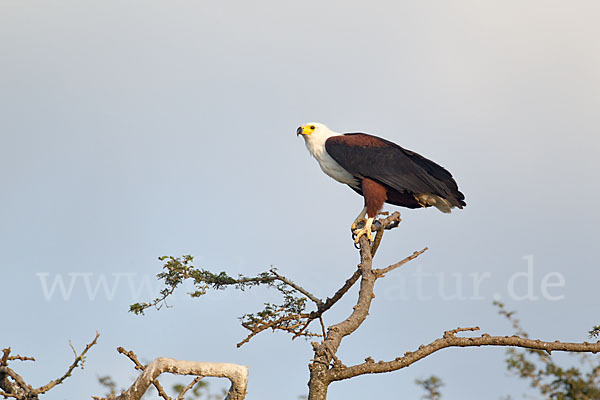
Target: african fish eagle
(380, 171)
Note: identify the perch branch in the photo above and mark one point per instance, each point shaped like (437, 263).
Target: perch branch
(390, 222)
(320, 371)
(365, 295)
(381, 225)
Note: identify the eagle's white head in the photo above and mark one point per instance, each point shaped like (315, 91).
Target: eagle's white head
(315, 134)
(314, 130)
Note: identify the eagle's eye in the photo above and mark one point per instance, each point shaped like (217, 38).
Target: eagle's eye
(312, 127)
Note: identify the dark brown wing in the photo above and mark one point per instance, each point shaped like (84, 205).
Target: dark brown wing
(367, 156)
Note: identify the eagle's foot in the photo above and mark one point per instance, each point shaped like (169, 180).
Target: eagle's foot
(366, 230)
(360, 232)
(359, 219)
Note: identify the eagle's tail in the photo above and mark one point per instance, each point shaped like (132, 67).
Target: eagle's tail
(444, 205)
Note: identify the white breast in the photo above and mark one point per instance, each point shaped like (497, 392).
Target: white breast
(329, 165)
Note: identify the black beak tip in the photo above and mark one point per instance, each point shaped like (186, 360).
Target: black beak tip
(299, 131)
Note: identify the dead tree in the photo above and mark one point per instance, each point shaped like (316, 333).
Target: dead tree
(293, 317)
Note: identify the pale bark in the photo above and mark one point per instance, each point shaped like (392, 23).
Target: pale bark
(237, 374)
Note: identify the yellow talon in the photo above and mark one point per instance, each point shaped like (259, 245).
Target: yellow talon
(364, 231)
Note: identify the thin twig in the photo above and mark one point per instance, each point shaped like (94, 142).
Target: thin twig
(305, 292)
(382, 271)
(73, 349)
(377, 241)
(20, 358)
(300, 331)
(5, 355)
(273, 324)
(160, 390)
(453, 332)
(323, 327)
(188, 387)
(131, 355)
(78, 359)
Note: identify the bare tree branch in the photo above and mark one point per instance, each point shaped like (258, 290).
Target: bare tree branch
(188, 387)
(450, 340)
(78, 360)
(382, 271)
(237, 374)
(12, 385)
(7, 357)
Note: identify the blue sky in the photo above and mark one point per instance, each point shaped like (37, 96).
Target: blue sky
(131, 130)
